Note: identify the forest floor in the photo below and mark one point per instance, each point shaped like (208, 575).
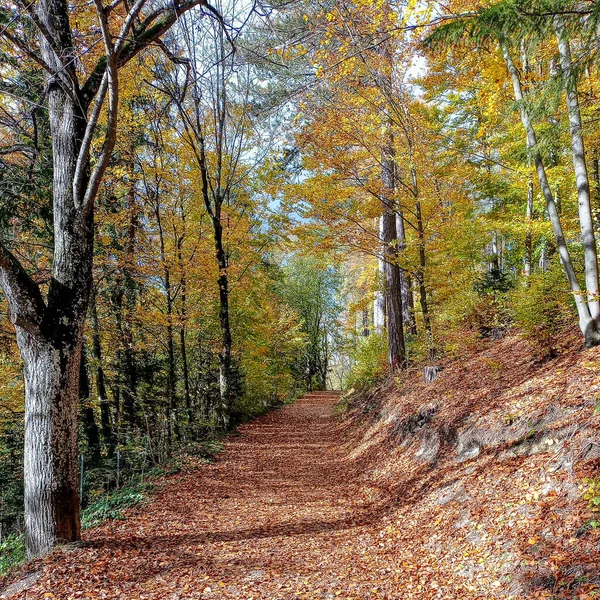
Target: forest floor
(467, 488)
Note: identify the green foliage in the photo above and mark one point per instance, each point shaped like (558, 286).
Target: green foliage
(543, 309)
(490, 315)
(205, 450)
(592, 495)
(369, 360)
(12, 552)
(111, 506)
(494, 281)
(311, 287)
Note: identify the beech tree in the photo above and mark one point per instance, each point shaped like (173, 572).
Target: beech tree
(49, 319)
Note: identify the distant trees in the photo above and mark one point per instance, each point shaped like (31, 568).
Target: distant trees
(311, 286)
(410, 126)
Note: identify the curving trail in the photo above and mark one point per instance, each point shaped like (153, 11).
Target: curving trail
(279, 515)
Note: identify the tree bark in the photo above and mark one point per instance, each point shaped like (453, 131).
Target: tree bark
(596, 173)
(393, 282)
(586, 221)
(379, 308)
(51, 465)
(366, 331)
(408, 313)
(224, 409)
(528, 235)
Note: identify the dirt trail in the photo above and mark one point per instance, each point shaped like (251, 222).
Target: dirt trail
(277, 516)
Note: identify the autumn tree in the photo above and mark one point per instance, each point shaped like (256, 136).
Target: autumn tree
(81, 81)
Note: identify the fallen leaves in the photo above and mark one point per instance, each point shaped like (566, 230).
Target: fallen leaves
(305, 505)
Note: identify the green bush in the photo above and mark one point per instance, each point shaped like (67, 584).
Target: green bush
(12, 552)
(368, 359)
(543, 308)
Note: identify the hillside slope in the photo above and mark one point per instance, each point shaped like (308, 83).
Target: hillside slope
(479, 476)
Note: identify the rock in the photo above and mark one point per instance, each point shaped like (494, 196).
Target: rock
(20, 586)
(432, 373)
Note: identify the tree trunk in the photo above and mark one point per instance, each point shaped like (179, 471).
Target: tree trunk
(393, 295)
(224, 409)
(51, 350)
(586, 221)
(182, 335)
(379, 308)
(393, 283)
(596, 173)
(365, 323)
(51, 370)
(171, 398)
(408, 313)
(528, 235)
(420, 275)
(105, 419)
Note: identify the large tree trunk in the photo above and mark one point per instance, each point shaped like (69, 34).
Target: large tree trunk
(393, 281)
(393, 295)
(52, 351)
(51, 395)
(587, 324)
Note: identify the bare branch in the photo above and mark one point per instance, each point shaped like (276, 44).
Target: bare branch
(112, 82)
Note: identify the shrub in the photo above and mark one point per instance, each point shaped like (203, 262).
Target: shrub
(543, 309)
(490, 316)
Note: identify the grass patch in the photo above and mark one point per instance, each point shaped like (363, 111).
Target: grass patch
(111, 506)
(207, 450)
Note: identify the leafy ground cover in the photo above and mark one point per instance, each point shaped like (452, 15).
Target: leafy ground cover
(479, 485)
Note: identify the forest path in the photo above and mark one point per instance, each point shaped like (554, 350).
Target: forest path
(277, 516)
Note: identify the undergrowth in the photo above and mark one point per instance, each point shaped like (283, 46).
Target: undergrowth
(12, 552)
